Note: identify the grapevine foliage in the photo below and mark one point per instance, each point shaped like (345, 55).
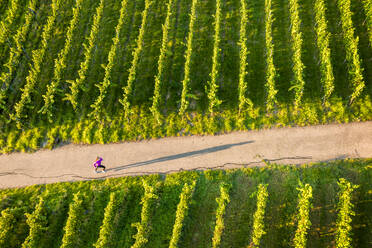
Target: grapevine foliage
(181, 213)
(367, 4)
(136, 55)
(105, 234)
(60, 63)
(37, 221)
(222, 201)
(303, 220)
(258, 217)
(71, 230)
(38, 56)
(143, 227)
(7, 220)
(212, 86)
(14, 56)
(345, 213)
(188, 53)
(323, 36)
(78, 83)
(243, 100)
(351, 46)
(163, 54)
(97, 106)
(270, 67)
(298, 66)
(6, 23)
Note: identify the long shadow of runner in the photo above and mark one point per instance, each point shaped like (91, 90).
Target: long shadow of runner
(181, 155)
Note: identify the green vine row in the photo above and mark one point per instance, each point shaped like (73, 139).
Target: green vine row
(60, 63)
(303, 220)
(186, 77)
(345, 213)
(37, 60)
(6, 23)
(163, 54)
(243, 54)
(136, 55)
(298, 66)
(222, 201)
(351, 46)
(143, 227)
(212, 87)
(78, 83)
(270, 67)
(258, 217)
(367, 4)
(97, 106)
(323, 36)
(15, 52)
(37, 222)
(71, 230)
(181, 213)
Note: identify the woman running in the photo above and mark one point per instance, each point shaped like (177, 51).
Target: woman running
(98, 164)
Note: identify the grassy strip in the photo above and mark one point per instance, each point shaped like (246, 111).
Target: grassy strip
(270, 67)
(186, 78)
(351, 46)
(298, 66)
(60, 63)
(212, 87)
(77, 84)
(38, 56)
(303, 219)
(258, 217)
(345, 211)
(181, 213)
(97, 106)
(323, 36)
(136, 55)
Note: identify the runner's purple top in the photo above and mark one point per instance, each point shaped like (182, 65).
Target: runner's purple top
(98, 162)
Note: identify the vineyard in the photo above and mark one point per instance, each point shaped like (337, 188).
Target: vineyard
(86, 71)
(314, 205)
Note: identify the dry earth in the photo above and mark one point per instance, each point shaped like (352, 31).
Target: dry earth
(284, 145)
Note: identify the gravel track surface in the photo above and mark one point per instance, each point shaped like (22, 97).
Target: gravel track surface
(283, 146)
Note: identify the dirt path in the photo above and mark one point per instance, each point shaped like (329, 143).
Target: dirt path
(285, 145)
